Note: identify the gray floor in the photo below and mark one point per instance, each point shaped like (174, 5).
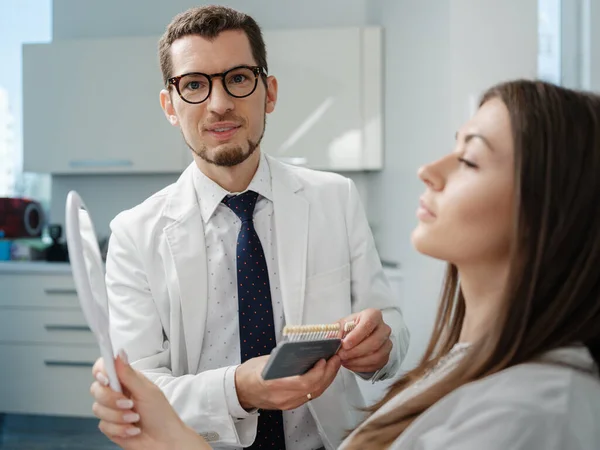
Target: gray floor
(19, 432)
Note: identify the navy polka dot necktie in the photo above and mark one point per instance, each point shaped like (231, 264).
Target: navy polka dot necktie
(255, 311)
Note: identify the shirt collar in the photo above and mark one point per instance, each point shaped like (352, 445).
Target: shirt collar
(210, 194)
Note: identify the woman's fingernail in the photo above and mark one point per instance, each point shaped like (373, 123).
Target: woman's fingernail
(131, 417)
(125, 403)
(123, 356)
(134, 431)
(101, 378)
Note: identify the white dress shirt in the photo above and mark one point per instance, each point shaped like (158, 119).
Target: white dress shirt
(221, 345)
(553, 404)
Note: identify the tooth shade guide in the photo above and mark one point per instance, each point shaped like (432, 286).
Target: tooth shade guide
(316, 332)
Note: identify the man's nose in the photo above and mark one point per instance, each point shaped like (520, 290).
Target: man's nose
(219, 101)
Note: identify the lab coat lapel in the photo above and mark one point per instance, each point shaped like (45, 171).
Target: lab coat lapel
(291, 225)
(185, 237)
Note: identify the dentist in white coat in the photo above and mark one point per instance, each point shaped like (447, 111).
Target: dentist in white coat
(176, 264)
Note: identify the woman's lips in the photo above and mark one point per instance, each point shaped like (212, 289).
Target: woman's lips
(423, 211)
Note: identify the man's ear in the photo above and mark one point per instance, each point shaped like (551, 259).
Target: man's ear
(271, 94)
(166, 104)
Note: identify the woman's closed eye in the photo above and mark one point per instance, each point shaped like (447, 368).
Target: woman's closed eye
(467, 163)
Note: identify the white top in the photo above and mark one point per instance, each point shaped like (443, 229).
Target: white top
(533, 406)
(221, 345)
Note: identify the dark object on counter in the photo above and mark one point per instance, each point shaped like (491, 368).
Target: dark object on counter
(21, 218)
(57, 252)
(390, 264)
(103, 244)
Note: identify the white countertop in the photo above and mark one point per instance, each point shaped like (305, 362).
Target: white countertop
(35, 267)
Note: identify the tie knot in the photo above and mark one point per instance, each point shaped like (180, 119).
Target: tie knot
(242, 205)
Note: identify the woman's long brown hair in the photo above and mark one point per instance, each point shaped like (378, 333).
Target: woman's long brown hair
(552, 298)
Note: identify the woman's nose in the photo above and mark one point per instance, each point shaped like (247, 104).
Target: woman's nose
(431, 176)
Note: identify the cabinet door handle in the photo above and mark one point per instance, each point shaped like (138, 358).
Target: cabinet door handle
(82, 163)
(59, 363)
(60, 291)
(67, 328)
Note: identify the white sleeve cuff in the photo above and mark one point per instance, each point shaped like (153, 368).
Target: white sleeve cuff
(233, 404)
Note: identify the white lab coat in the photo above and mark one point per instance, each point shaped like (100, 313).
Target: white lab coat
(533, 406)
(157, 287)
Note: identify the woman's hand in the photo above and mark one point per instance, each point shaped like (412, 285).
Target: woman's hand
(141, 418)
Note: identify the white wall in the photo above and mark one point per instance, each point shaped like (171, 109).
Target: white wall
(571, 40)
(591, 44)
(491, 42)
(594, 17)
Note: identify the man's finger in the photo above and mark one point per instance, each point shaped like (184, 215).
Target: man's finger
(342, 323)
(370, 345)
(300, 383)
(372, 362)
(368, 321)
(319, 379)
(311, 379)
(300, 386)
(333, 366)
(331, 370)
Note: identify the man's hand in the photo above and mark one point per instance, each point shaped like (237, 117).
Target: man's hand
(284, 393)
(366, 348)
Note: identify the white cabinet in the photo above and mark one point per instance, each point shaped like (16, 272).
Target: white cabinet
(46, 348)
(329, 110)
(47, 380)
(92, 106)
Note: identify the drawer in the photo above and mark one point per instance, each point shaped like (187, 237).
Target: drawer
(44, 327)
(44, 290)
(51, 380)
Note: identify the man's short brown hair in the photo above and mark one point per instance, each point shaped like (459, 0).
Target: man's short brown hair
(209, 22)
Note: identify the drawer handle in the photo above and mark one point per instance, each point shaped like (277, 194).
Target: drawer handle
(67, 328)
(58, 363)
(59, 291)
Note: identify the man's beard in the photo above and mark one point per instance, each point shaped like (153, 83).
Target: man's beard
(230, 156)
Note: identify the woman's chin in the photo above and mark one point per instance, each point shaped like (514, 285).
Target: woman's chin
(418, 237)
(424, 244)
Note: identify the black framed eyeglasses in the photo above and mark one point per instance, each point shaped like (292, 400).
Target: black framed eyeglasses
(239, 82)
